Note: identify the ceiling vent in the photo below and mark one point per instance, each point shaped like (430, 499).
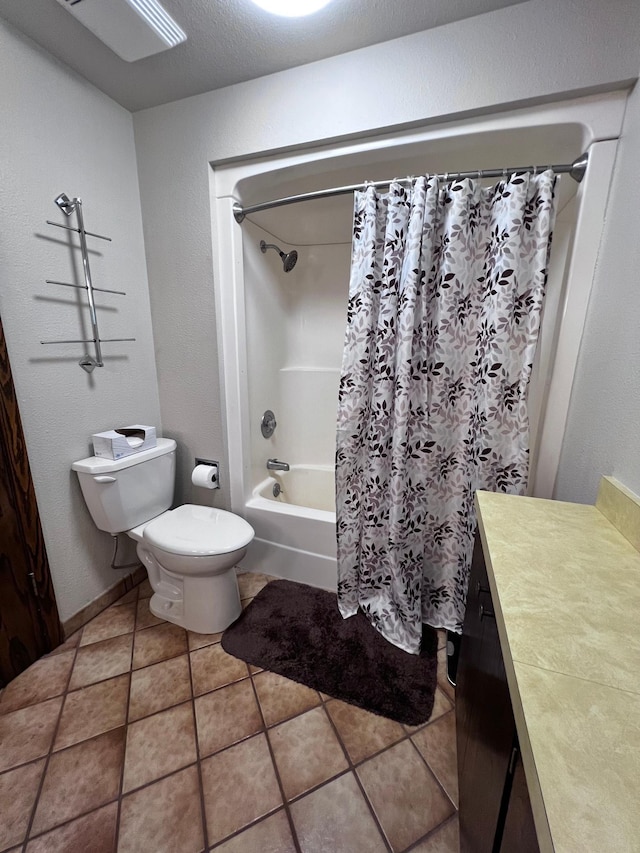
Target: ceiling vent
(131, 28)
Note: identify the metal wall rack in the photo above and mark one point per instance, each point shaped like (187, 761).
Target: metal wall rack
(87, 362)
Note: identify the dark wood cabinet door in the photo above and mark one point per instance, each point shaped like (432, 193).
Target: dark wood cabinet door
(519, 833)
(484, 718)
(29, 624)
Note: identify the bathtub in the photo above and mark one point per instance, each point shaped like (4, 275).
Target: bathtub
(296, 530)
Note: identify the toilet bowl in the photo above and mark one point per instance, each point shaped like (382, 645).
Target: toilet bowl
(189, 552)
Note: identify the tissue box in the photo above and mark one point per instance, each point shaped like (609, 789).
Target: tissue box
(116, 443)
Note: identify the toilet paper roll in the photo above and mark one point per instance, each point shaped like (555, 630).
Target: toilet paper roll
(205, 476)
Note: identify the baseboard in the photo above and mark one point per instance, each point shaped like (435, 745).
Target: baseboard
(104, 600)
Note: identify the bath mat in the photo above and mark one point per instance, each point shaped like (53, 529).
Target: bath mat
(296, 631)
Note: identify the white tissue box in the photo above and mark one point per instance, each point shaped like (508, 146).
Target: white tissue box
(116, 443)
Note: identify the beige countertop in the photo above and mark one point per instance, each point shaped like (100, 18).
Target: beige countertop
(565, 581)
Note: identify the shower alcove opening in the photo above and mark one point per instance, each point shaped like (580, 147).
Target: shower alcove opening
(281, 334)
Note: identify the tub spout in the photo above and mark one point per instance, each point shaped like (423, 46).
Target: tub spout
(274, 465)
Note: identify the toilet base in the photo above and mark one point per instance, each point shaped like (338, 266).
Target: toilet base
(205, 604)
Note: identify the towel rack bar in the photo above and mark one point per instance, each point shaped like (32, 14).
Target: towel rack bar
(90, 341)
(84, 287)
(77, 230)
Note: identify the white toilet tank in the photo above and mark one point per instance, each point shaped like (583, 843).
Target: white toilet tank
(122, 493)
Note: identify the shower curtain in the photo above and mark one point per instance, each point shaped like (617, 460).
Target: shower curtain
(445, 299)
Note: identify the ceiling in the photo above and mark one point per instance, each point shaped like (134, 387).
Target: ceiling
(229, 41)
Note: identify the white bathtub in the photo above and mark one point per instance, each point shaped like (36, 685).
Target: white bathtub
(295, 531)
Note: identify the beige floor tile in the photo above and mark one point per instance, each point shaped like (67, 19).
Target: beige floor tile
(100, 661)
(336, 818)
(199, 641)
(44, 679)
(250, 583)
(145, 589)
(362, 733)
(159, 686)
(70, 643)
(159, 745)
(239, 786)
(407, 799)
(93, 710)
(441, 705)
(18, 790)
(281, 698)
(212, 667)
(442, 638)
(112, 622)
(27, 733)
(271, 835)
(80, 779)
(159, 643)
(227, 716)
(165, 817)
(307, 752)
(437, 743)
(145, 618)
(445, 839)
(95, 832)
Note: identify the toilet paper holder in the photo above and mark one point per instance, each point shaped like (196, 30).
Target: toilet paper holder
(212, 462)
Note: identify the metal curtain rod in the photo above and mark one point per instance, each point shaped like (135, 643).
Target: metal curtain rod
(576, 170)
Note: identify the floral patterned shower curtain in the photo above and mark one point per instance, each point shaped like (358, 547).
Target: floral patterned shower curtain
(445, 299)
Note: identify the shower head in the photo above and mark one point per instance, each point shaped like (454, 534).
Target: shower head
(288, 260)
(65, 204)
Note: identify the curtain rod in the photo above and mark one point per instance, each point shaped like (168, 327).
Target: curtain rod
(576, 170)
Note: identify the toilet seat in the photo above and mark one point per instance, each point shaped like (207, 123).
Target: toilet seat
(198, 531)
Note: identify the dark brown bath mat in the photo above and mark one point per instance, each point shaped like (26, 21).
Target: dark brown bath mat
(297, 631)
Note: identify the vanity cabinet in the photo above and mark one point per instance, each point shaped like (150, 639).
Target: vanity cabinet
(495, 813)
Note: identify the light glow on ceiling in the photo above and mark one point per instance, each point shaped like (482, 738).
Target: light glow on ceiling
(292, 8)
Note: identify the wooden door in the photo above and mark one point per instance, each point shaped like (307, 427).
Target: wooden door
(29, 623)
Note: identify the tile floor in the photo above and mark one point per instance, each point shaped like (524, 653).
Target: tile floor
(136, 735)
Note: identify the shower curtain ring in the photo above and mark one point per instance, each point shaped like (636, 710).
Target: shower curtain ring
(535, 171)
(481, 173)
(504, 174)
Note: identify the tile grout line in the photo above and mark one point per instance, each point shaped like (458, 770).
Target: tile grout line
(432, 832)
(431, 770)
(126, 726)
(50, 752)
(285, 802)
(352, 769)
(203, 811)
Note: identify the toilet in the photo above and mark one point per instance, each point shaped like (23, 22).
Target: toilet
(190, 552)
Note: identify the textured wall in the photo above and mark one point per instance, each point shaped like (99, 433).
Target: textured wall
(59, 134)
(603, 432)
(534, 52)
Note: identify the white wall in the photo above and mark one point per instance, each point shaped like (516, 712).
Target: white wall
(603, 432)
(530, 53)
(59, 134)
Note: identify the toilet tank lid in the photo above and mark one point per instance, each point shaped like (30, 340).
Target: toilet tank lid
(98, 465)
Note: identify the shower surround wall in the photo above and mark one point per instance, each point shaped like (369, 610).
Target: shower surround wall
(295, 325)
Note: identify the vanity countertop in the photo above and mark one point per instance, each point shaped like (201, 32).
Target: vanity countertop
(565, 583)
